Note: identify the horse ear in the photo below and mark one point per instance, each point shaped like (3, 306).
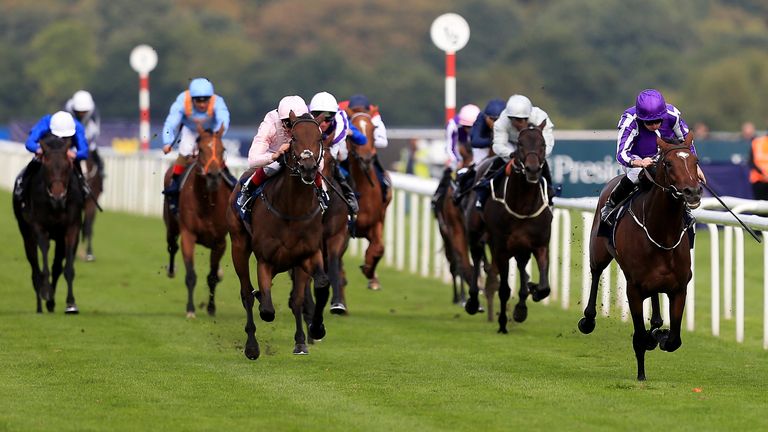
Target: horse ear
(663, 145)
(542, 125)
(199, 126)
(319, 118)
(688, 139)
(220, 132)
(292, 116)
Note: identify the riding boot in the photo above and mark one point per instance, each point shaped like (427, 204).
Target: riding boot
(98, 161)
(22, 181)
(621, 192)
(173, 188)
(547, 175)
(322, 195)
(442, 187)
(483, 187)
(349, 194)
(81, 181)
(464, 179)
(382, 178)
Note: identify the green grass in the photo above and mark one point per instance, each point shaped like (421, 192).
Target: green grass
(405, 359)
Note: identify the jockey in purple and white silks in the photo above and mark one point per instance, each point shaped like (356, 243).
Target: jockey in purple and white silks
(457, 134)
(636, 147)
(335, 125)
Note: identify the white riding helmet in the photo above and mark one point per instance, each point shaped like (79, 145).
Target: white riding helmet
(62, 124)
(468, 114)
(83, 101)
(323, 101)
(519, 106)
(291, 103)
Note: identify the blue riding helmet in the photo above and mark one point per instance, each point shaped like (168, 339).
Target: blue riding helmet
(494, 108)
(650, 105)
(200, 87)
(359, 101)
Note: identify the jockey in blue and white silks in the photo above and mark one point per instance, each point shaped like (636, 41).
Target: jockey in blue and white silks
(636, 147)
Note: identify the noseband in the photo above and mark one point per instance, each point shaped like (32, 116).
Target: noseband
(293, 164)
(521, 155)
(214, 157)
(671, 189)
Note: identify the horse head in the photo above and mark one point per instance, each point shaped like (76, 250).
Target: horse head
(677, 171)
(210, 154)
(306, 152)
(57, 168)
(531, 152)
(362, 121)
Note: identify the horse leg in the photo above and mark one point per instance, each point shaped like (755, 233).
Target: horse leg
(188, 254)
(491, 286)
(45, 290)
(372, 256)
(504, 293)
(30, 249)
(213, 277)
(56, 269)
(656, 323)
(265, 274)
(240, 256)
(70, 240)
(334, 274)
(309, 306)
(477, 250)
(314, 266)
(669, 340)
(599, 259)
(541, 290)
(172, 240)
(296, 302)
(639, 338)
(521, 310)
(90, 216)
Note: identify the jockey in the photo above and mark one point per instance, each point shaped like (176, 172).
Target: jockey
(335, 127)
(636, 147)
(272, 140)
(517, 115)
(456, 135)
(62, 125)
(481, 139)
(196, 105)
(83, 109)
(360, 103)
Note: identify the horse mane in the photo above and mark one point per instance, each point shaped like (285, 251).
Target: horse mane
(54, 143)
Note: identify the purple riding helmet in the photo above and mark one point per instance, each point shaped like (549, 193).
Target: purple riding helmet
(650, 105)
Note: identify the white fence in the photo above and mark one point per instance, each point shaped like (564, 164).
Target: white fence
(413, 243)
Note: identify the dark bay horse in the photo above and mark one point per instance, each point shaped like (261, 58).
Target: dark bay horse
(53, 211)
(518, 223)
(373, 205)
(95, 178)
(652, 249)
(287, 234)
(203, 199)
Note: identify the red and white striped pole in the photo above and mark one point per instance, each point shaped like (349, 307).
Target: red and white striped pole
(450, 33)
(143, 60)
(144, 111)
(450, 85)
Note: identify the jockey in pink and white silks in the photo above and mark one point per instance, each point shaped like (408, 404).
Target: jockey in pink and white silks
(335, 125)
(636, 147)
(272, 140)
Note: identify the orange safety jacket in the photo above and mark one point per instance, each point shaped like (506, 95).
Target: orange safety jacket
(188, 105)
(760, 159)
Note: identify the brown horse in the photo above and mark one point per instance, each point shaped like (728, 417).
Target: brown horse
(287, 234)
(652, 249)
(53, 211)
(373, 205)
(203, 198)
(95, 178)
(518, 223)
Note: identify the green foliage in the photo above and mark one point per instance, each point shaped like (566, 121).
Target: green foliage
(583, 62)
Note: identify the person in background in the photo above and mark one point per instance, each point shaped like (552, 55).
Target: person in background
(758, 161)
(196, 105)
(83, 109)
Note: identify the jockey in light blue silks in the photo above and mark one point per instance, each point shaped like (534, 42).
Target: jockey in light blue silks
(636, 147)
(198, 104)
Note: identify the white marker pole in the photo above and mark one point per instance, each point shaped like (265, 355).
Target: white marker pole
(143, 60)
(450, 33)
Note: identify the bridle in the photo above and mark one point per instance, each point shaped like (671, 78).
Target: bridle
(293, 162)
(365, 163)
(213, 144)
(671, 189)
(518, 164)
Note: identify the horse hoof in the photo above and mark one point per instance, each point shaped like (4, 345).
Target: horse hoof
(502, 330)
(374, 285)
(300, 349)
(50, 305)
(252, 352)
(650, 341)
(267, 316)
(472, 306)
(586, 325)
(661, 336)
(71, 309)
(520, 313)
(480, 308)
(191, 315)
(211, 309)
(538, 294)
(316, 332)
(338, 309)
(89, 258)
(170, 273)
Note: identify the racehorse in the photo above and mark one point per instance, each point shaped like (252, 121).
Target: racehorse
(652, 248)
(373, 205)
(287, 234)
(53, 211)
(95, 178)
(203, 198)
(518, 223)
